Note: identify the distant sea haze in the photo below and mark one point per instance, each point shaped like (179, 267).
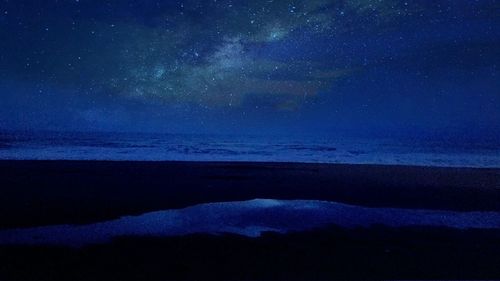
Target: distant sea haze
(181, 147)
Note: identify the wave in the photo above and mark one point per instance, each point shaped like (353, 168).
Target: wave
(249, 218)
(156, 147)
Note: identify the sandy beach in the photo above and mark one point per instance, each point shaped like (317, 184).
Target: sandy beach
(60, 192)
(47, 193)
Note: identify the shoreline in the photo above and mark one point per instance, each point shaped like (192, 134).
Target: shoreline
(47, 193)
(250, 218)
(58, 192)
(259, 162)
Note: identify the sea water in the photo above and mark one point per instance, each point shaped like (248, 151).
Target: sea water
(248, 218)
(204, 147)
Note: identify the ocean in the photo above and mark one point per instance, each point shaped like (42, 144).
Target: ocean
(204, 147)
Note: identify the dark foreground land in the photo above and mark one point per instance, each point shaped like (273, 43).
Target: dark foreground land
(55, 192)
(334, 253)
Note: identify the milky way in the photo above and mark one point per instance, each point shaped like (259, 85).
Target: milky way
(322, 64)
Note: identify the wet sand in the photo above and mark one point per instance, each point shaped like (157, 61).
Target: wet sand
(58, 192)
(38, 193)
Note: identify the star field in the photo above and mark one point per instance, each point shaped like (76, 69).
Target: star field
(168, 65)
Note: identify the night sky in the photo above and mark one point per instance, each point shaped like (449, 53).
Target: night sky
(257, 67)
